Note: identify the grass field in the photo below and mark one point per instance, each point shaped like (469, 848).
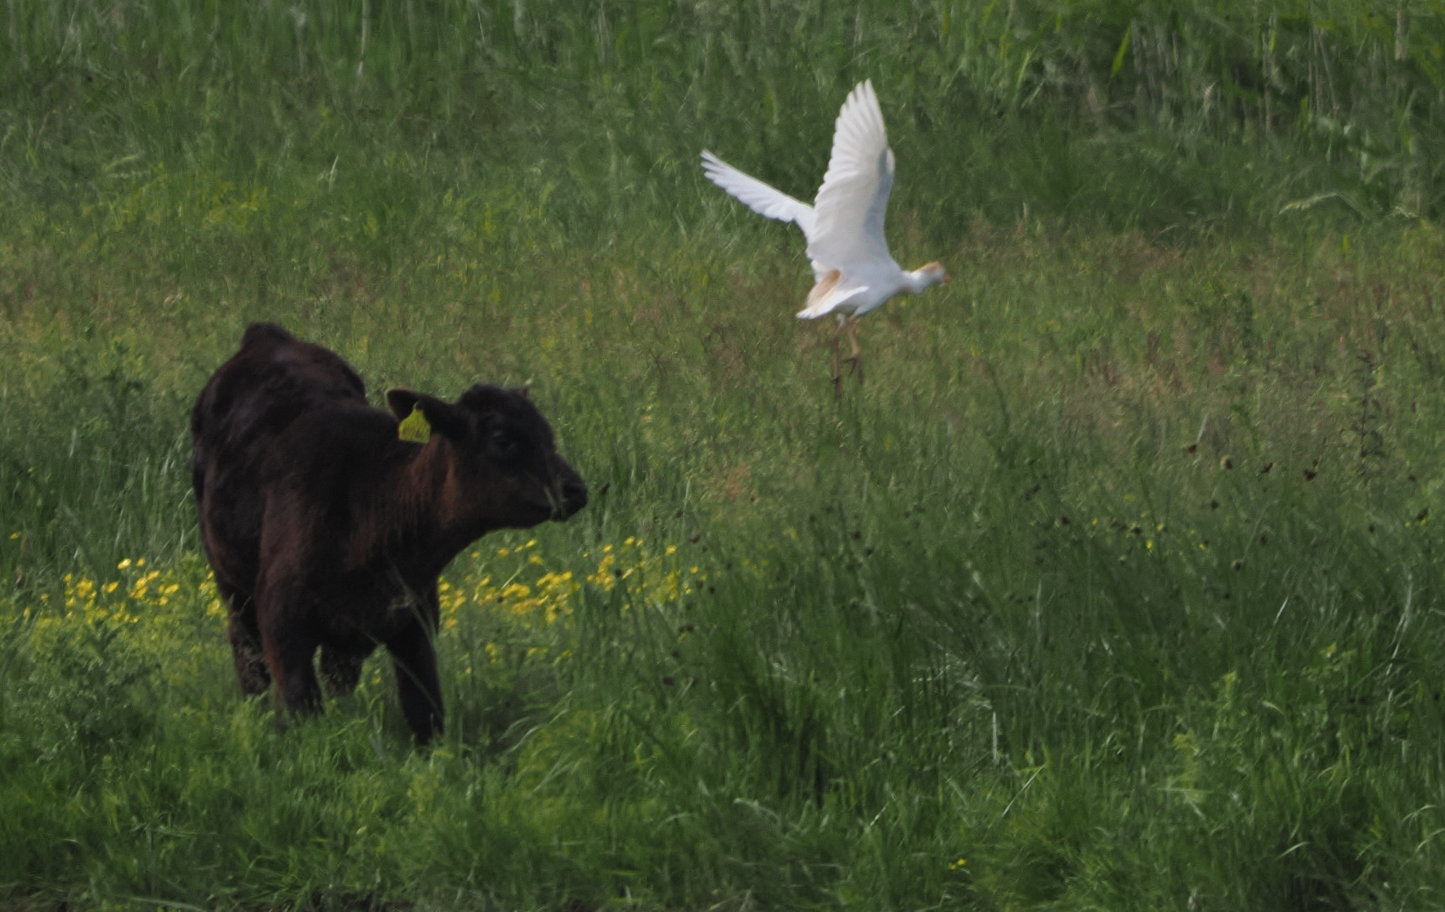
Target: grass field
(1118, 585)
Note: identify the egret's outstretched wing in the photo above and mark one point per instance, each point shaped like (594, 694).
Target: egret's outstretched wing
(762, 198)
(849, 211)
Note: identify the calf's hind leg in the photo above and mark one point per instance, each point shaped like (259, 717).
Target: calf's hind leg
(296, 686)
(290, 654)
(245, 636)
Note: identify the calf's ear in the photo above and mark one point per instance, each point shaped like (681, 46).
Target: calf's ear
(441, 415)
(401, 401)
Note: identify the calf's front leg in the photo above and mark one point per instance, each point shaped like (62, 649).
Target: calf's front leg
(340, 669)
(419, 688)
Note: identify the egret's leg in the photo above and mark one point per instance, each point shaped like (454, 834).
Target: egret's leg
(854, 360)
(838, 358)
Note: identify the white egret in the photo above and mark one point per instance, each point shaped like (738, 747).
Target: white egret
(853, 271)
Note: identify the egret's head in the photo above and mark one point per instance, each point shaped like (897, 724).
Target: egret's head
(928, 274)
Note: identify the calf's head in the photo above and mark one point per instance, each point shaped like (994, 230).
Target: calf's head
(498, 457)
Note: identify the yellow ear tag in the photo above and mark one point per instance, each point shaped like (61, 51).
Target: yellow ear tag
(414, 427)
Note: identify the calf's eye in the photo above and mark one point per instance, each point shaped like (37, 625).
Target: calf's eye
(504, 444)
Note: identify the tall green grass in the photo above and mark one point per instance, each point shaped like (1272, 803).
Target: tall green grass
(1117, 584)
(1121, 112)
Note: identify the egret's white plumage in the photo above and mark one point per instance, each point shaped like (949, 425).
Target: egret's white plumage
(852, 268)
